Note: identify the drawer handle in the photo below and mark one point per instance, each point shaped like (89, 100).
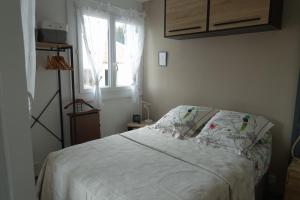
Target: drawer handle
(238, 21)
(185, 29)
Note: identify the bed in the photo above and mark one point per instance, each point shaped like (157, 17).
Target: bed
(147, 164)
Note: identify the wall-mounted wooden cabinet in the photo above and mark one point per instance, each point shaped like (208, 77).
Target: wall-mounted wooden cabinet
(225, 14)
(185, 17)
(201, 18)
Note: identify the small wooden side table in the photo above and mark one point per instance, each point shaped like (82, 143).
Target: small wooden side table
(134, 125)
(292, 187)
(87, 126)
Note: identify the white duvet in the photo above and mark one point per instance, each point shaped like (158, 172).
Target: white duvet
(145, 165)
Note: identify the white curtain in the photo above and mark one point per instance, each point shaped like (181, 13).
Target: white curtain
(134, 41)
(28, 26)
(91, 40)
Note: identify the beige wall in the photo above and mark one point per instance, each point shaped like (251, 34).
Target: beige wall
(254, 73)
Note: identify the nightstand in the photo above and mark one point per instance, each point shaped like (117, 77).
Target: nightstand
(292, 187)
(134, 125)
(87, 126)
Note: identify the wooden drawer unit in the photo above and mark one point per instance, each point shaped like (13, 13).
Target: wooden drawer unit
(85, 126)
(226, 14)
(292, 188)
(185, 17)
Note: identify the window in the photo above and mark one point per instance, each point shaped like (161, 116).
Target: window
(124, 77)
(98, 31)
(106, 37)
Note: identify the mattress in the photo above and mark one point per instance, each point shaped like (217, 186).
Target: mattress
(260, 154)
(144, 165)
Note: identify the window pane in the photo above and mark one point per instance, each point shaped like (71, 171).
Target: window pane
(124, 77)
(97, 39)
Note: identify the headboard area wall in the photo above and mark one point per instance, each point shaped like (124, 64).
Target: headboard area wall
(254, 73)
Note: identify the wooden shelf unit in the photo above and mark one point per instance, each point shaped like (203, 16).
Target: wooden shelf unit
(45, 45)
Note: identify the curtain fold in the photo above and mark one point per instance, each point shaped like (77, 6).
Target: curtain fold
(28, 26)
(91, 40)
(134, 40)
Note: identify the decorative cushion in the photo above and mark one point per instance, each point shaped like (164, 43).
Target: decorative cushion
(233, 130)
(184, 121)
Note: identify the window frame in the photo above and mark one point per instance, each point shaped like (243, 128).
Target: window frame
(112, 90)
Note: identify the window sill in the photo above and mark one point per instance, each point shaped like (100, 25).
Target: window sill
(108, 93)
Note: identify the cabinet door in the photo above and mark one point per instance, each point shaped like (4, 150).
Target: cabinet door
(227, 14)
(185, 16)
(87, 128)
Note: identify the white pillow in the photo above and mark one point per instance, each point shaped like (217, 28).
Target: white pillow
(184, 121)
(233, 130)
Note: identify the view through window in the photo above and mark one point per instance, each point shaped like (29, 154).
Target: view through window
(99, 36)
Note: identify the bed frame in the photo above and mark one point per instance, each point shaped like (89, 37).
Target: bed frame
(261, 188)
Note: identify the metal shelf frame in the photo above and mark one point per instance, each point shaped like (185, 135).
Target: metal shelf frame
(58, 48)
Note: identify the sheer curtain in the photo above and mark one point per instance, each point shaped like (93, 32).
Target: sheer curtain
(134, 40)
(93, 51)
(28, 26)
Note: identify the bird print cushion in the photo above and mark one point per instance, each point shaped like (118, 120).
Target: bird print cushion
(233, 130)
(184, 121)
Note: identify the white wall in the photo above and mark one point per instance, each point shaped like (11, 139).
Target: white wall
(115, 113)
(16, 162)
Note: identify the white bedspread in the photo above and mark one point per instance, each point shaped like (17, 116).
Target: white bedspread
(145, 165)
